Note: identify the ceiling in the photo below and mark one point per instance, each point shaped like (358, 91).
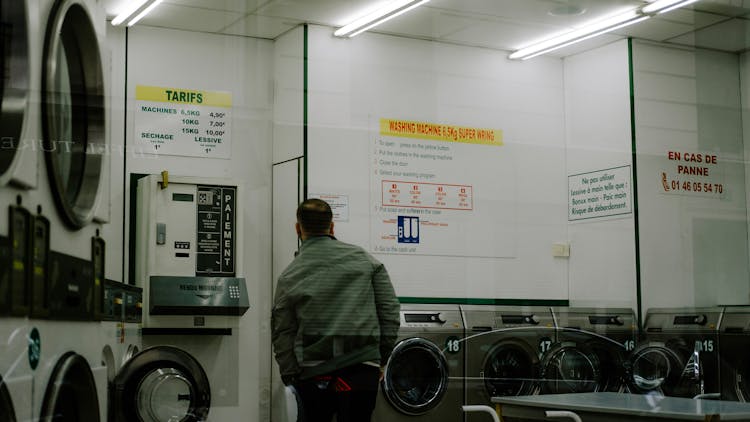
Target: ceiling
(498, 24)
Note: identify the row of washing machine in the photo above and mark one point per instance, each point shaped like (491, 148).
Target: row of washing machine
(451, 355)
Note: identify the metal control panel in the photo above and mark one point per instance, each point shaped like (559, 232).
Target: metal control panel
(431, 319)
(189, 244)
(596, 320)
(683, 320)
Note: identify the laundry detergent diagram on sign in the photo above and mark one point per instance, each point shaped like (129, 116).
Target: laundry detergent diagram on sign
(440, 189)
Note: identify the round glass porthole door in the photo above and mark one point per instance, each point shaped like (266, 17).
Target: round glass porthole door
(162, 384)
(510, 370)
(656, 368)
(570, 369)
(71, 393)
(14, 78)
(416, 376)
(73, 111)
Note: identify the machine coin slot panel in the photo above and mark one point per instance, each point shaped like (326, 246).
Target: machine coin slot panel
(71, 293)
(173, 295)
(690, 319)
(605, 320)
(98, 250)
(424, 318)
(734, 330)
(113, 301)
(481, 329)
(520, 319)
(4, 274)
(40, 268)
(20, 253)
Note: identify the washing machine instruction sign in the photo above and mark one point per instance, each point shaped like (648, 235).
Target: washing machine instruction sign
(216, 231)
(441, 190)
(185, 122)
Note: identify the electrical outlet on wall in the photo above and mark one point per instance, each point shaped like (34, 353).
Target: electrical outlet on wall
(561, 249)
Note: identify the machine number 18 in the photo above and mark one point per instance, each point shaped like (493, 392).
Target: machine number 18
(453, 344)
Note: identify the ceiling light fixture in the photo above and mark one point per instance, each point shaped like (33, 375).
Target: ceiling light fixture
(589, 31)
(663, 6)
(376, 17)
(600, 27)
(140, 8)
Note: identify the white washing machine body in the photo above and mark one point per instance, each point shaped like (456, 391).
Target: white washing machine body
(63, 139)
(71, 379)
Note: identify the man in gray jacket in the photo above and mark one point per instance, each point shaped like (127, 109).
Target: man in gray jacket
(334, 321)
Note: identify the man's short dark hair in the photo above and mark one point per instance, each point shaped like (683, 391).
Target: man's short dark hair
(315, 216)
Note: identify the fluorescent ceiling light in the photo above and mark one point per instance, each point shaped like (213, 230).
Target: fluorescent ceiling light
(385, 13)
(133, 7)
(145, 12)
(663, 6)
(588, 31)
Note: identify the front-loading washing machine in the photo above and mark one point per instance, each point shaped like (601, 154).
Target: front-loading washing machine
(679, 352)
(504, 348)
(734, 336)
(591, 350)
(423, 379)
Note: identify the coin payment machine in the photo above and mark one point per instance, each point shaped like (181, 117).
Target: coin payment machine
(189, 252)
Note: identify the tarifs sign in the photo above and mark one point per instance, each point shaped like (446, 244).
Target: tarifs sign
(187, 122)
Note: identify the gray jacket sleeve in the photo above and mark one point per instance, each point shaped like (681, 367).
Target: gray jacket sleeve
(284, 328)
(387, 307)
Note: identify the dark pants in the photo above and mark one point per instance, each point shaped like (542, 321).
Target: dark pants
(348, 393)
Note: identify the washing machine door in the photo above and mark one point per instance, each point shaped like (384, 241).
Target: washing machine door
(6, 404)
(511, 368)
(14, 78)
(570, 368)
(162, 384)
(71, 393)
(659, 366)
(416, 376)
(73, 111)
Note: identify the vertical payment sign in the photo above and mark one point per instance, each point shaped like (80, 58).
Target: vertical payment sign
(186, 122)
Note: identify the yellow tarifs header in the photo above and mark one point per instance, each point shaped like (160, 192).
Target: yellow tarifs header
(438, 132)
(183, 96)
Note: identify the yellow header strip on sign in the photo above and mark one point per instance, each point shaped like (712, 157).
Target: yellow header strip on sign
(439, 132)
(183, 96)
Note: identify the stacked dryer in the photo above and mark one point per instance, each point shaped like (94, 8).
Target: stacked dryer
(53, 111)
